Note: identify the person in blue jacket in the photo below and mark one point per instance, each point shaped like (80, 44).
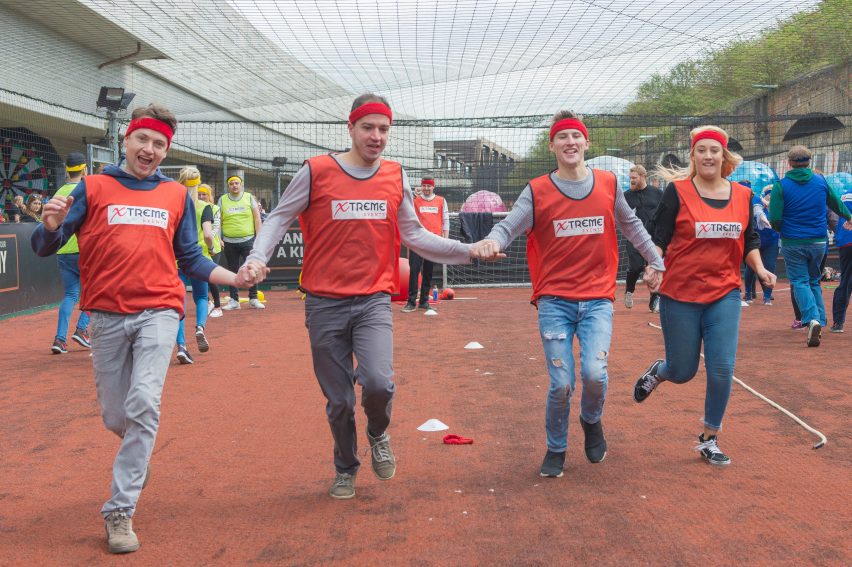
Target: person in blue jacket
(797, 209)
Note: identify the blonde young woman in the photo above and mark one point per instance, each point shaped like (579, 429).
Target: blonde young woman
(205, 193)
(190, 178)
(703, 226)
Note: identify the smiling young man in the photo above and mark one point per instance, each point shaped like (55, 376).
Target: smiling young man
(125, 218)
(353, 209)
(570, 216)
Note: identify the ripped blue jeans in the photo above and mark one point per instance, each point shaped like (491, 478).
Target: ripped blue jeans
(558, 321)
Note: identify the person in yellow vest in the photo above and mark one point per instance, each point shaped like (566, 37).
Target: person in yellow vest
(433, 214)
(68, 258)
(205, 193)
(354, 209)
(570, 216)
(190, 178)
(240, 223)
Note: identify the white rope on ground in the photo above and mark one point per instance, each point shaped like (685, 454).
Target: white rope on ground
(823, 439)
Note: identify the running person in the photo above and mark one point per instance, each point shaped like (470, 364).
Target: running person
(570, 216)
(123, 219)
(434, 215)
(68, 258)
(704, 227)
(190, 178)
(353, 209)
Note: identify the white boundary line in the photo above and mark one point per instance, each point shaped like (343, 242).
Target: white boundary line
(823, 439)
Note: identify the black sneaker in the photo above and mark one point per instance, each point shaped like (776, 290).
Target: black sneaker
(183, 355)
(409, 307)
(837, 328)
(423, 306)
(595, 441)
(646, 384)
(59, 347)
(814, 333)
(553, 464)
(710, 451)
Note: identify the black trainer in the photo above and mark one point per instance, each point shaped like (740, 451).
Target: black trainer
(814, 333)
(553, 464)
(710, 451)
(647, 382)
(595, 441)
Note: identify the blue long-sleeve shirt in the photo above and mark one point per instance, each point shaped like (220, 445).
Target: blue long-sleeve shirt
(188, 254)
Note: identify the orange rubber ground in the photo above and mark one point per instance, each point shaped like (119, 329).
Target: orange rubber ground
(243, 458)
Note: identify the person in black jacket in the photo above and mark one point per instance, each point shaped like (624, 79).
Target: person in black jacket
(643, 199)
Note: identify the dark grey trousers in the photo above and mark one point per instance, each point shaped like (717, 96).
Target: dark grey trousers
(338, 329)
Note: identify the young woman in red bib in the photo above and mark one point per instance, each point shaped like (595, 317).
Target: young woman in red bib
(703, 226)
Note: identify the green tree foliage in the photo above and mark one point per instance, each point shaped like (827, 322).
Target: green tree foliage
(805, 42)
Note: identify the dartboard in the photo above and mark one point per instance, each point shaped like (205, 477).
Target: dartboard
(22, 171)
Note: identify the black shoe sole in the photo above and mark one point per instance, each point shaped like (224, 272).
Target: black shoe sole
(57, 350)
(814, 335)
(201, 341)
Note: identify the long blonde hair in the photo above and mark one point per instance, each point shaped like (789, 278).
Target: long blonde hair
(190, 173)
(730, 160)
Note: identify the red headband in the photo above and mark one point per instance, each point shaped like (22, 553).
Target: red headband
(427, 182)
(567, 123)
(151, 124)
(370, 108)
(710, 135)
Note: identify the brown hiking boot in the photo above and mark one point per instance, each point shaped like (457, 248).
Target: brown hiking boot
(384, 463)
(119, 530)
(343, 487)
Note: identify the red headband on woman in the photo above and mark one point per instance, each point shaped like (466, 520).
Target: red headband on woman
(151, 124)
(710, 135)
(567, 123)
(370, 108)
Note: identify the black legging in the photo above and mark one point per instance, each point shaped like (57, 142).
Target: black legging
(415, 262)
(214, 289)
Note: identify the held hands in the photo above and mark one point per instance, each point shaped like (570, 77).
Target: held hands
(250, 274)
(486, 250)
(55, 212)
(652, 278)
(848, 225)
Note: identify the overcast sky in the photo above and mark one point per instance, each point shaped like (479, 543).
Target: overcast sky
(473, 58)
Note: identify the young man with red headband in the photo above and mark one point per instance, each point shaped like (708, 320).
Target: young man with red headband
(125, 218)
(570, 216)
(353, 209)
(433, 214)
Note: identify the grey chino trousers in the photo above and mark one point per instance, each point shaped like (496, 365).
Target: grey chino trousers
(131, 354)
(338, 329)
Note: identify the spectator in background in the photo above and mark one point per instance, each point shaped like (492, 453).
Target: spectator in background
(17, 208)
(32, 211)
(768, 246)
(643, 199)
(797, 210)
(240, 223)
(843, 239)
(68, 259)
(434, 215)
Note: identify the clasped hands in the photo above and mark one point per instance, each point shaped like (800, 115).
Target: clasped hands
(250, 274)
